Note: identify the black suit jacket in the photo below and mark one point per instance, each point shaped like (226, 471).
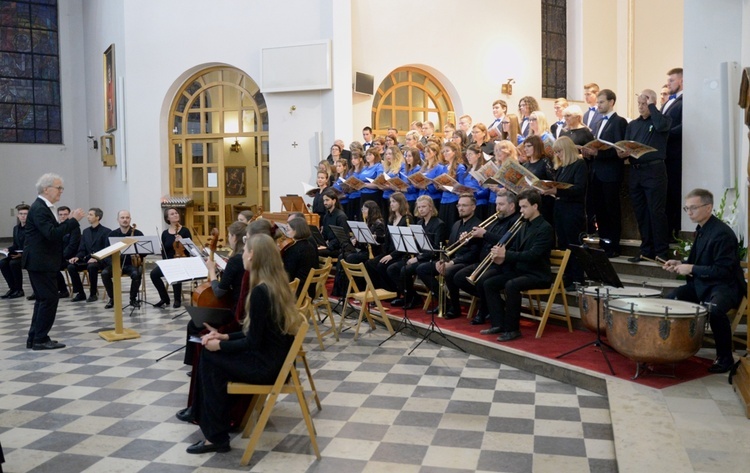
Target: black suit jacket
(606, 165)
(435, 232)
(71, 242)
(674, 140)
(529, 251)
(594, 121)
(44, 238)
(715, 260)
(19, 237)
(469, 253)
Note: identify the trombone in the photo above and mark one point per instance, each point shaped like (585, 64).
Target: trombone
(487, 261)
(451, 250)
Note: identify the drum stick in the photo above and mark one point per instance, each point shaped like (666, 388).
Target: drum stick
(657, 260)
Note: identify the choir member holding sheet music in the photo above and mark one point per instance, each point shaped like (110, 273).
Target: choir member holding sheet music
(504, 150)
(393, 166)
(355, 196)
(455, 168)
(344, 170)
(170, 242)
(317, 205)
(536, 162)
(373, 168)
(404, 270)
(476, 160)
(412, 164)
(431, 169)
(377, 268)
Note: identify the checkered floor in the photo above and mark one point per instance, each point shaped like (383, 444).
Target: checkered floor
(109, 407)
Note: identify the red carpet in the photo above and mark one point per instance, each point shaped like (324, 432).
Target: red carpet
(557, 340)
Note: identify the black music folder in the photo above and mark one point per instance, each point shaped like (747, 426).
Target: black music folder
(210, 315)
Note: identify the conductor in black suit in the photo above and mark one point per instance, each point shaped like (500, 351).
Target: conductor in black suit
(605, 178)
(42, 255)
(714, 275)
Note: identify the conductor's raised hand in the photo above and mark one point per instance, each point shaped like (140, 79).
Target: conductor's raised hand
(77, 214)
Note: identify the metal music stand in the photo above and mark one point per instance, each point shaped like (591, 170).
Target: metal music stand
(402, 241)
(182, 270)
(598, 268)
(143, 246)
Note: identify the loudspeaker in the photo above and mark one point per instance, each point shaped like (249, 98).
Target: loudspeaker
(364, 83)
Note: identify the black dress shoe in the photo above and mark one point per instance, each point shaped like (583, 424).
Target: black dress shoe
(415, 303)
(478, 319)
(397, 302)
(7, 294)
(491, 331)
(49, 345)
(63, 294)
(109, 304)
(29, 344)
(79, 297)
(635, 259)
(508, 336)
(186, 415)
(721, 365)
(134, 303)
(432, 311)
(31, 297)
(93, 298)
(176, 304)
(450, 315)
(16, 295)
(162, 303)
(202, 447)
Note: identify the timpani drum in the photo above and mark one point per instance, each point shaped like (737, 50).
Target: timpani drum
(589, 308)
(655, 330)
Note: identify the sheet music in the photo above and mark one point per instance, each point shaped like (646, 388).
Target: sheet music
(183, 269)
(220, 263)
(421, 238)
(145, 245)
(191, 247)
(362, 232)
(403, 239)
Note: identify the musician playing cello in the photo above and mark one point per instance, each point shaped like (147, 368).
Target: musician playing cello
(524, 265)
(714, 275)
(135, 271)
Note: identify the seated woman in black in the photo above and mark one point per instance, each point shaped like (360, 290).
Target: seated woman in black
(228, 286)
(377, 267)
(254, 355)
(372, 216)
(301, 255)
(170, 240)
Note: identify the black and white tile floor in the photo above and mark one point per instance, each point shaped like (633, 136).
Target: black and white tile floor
(109, 407)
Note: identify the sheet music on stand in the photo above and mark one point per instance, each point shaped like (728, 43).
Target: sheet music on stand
(403, 239)
(362, 232)
(183, 269)
(143, 246)
(191, 247)
(421, 238)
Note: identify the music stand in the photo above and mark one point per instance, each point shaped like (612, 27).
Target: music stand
(319, 240)
(401, 242)
(598, 268)
(143, 246)
(361, 232)
(181, 270)
(119, 333)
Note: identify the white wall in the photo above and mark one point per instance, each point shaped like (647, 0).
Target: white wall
(22, 164)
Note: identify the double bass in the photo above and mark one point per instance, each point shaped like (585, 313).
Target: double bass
(203, 296)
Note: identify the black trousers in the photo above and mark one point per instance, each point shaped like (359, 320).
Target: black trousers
(135, 280)
(12, 272)
(44, 285)
(428, 273)
(75, 278)
(402, 274)
(478, 288)
(606, 197)
(721, 300)
(570, 222)
(378, 273)
(648, 194)
(506, 314)
(156, 276)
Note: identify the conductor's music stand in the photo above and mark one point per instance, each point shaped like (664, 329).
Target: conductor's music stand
(119, 333)
(598, 268)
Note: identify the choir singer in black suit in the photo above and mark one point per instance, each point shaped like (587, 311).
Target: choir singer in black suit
(714, 275)
(42, 255)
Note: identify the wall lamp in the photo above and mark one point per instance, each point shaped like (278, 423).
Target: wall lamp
(236, 147)
(507, 88)
(93, 140)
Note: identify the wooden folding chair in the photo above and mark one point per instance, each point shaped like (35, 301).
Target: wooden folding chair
(559, 259)
(317, 278)
(370, 294)
(265, 396)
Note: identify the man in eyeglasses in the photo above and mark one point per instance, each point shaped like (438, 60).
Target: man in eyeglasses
(41, 258)
(714, 275)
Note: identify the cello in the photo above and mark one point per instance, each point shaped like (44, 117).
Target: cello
(203, 296)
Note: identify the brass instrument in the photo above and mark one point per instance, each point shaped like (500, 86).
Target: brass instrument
(487, 261)
(451, 249)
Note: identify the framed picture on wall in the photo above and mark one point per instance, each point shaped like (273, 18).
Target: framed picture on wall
(110, 92)
(235, 181)
(108, 150)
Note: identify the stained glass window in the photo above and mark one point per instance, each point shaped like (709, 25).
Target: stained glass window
(29, 72)
(554, 57)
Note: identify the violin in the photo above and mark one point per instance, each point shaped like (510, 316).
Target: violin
(136, 259)
(204, 296)
(179, 248)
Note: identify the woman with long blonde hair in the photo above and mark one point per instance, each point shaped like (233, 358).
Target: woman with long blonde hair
(432, 168)
(254, 355)
(393, 166)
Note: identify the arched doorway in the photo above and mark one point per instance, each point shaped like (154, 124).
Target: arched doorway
(218, 147)
(410, 94)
